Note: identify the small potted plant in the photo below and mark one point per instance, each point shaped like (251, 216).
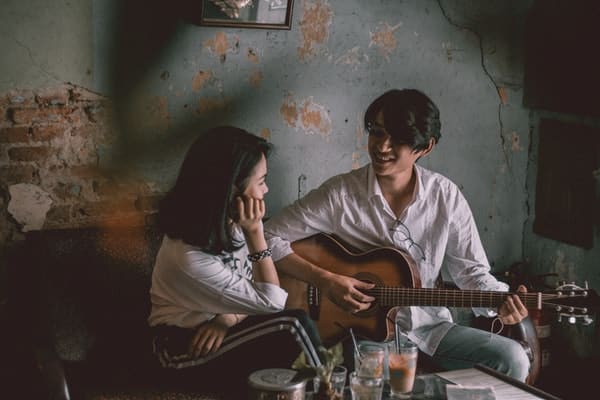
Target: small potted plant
(330, 358)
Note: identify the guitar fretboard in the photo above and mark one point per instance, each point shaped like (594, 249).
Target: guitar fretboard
(395, 296)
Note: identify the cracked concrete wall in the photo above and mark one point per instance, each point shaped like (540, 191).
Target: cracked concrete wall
(45, 43)
(305, 89)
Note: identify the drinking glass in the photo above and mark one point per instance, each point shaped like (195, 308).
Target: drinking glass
(368, 361)
(402, 364)
(365, 387)
(338, 379)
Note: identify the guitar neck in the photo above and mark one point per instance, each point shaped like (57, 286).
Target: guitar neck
(398, 296)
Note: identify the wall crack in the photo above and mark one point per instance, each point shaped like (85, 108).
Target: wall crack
(488, 74)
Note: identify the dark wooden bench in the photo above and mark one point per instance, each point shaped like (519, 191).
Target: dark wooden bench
(77, 305)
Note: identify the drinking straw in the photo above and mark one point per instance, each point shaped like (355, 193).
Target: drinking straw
(355, 344)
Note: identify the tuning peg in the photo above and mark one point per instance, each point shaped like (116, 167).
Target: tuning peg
(587, 320)
(572, 319)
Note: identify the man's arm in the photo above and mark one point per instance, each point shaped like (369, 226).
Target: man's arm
(344, 291)
(465, 253)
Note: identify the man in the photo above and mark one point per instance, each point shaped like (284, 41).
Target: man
(394, 202)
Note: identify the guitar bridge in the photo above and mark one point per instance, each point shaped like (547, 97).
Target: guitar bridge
(313, 298)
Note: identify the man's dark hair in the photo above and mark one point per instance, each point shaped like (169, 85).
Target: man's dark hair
(409, 117)
(215, 170)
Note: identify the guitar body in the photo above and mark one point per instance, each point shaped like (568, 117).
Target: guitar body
(385, 267)
(382, 266)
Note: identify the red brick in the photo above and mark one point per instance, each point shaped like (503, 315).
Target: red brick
(19, 134)
(28, 153)
(20, 98)
(53, 96)
(86, 131)
(76, 116)
(38, 115)
(19, 174)
(44, 133)
(85, 171)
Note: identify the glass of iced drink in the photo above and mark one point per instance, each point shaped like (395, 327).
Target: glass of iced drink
(368, 361)
(365, 387)
(402, 364)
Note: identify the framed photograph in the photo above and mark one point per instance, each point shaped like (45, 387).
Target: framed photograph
(265, 14)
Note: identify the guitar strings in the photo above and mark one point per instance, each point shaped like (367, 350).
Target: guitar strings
(444, 296)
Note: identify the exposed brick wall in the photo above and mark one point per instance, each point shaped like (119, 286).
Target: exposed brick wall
(51, 141)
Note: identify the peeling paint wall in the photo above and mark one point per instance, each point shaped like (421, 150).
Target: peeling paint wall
(306, 89)
(99, 99)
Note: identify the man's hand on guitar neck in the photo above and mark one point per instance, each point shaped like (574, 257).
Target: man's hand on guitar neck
(512, 311)
(345, 292)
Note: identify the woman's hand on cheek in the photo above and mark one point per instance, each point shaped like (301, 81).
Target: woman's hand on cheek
(251, 212)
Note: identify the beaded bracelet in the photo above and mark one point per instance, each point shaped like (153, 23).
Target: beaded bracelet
(259, 255)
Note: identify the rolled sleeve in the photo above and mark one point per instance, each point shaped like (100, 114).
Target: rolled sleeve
(280, 247)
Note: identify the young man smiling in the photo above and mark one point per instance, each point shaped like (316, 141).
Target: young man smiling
(393, 202)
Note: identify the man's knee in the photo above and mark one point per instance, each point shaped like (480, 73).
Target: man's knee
(516, 361)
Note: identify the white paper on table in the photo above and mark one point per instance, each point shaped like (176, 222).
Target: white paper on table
(459, 392)
(474, 377)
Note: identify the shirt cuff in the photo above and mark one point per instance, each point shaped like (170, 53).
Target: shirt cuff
(280, 248)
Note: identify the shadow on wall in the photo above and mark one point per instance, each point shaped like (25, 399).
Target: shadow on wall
(145, 31)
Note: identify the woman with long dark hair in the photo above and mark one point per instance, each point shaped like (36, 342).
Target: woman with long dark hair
(216, 301)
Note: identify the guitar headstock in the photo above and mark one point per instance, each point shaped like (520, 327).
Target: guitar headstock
(572, 302)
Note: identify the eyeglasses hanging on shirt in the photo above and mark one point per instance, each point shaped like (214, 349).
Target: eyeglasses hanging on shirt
(402, 233)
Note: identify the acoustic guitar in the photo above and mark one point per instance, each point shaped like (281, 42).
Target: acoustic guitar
(397, 283)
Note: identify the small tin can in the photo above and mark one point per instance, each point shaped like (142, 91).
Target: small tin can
(275, 384)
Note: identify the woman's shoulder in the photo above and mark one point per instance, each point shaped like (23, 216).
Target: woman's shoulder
(185, 255)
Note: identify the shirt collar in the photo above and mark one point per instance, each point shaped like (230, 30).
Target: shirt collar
(374, 190)
(419, 184)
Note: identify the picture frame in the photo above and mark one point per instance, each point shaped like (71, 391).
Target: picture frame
(262, 14)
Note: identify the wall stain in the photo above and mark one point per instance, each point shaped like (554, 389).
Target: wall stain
(200, 79)
(314, 26)
(221, 45)
(503, 95)
(314, 118)
(265, 133)
(355, 56)
(516, 141)
(256, 78)
(207, 105)
(252, 56)
(311, 117)
(384, 39)
(289, 111)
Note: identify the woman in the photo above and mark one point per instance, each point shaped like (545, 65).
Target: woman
(216, 301)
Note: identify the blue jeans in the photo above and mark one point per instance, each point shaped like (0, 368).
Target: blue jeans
(463, 347)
